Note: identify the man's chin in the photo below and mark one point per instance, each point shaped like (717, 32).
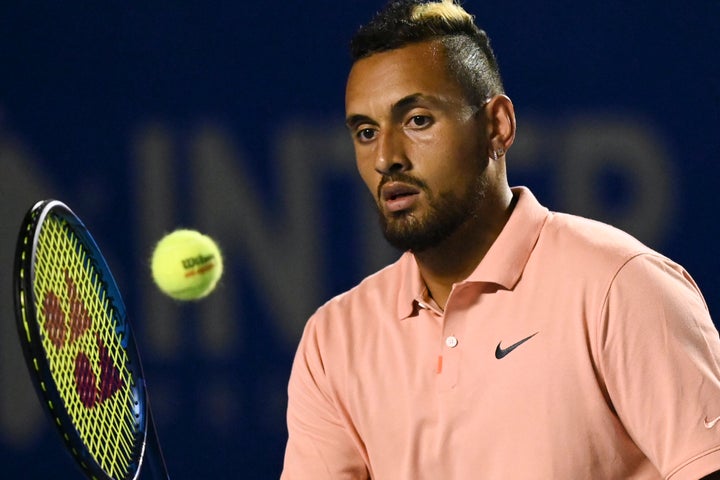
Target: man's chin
(403, 236)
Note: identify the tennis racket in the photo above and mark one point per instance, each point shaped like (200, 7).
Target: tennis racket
(79, 348)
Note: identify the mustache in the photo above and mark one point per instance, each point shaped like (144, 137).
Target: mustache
(401, 178)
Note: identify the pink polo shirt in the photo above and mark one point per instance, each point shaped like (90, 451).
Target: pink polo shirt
(572, 352)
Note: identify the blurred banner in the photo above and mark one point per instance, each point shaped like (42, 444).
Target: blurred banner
(228, 118)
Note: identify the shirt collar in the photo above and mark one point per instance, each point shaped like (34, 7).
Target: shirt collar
(412, 289)
(503, 264)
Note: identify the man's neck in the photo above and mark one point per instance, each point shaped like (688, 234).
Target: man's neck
(459, 255)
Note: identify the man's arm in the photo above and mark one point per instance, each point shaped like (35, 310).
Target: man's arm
(660, 359)
(320, 444)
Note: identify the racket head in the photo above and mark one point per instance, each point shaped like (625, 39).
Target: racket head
(78, 344)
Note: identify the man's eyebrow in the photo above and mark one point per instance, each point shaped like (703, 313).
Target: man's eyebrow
(408, 101)
(398, 108)
(352, 121)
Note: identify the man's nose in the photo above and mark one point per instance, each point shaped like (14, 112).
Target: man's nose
(391, 156)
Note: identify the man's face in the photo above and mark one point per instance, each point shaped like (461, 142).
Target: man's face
(419, 146)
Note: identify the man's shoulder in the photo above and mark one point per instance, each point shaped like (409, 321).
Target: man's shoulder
(579, 247)
(573, 234)
(378, 290)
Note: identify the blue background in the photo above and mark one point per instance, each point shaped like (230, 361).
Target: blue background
(87, 91)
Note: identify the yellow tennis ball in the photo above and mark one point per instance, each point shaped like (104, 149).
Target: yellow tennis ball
(186, 265)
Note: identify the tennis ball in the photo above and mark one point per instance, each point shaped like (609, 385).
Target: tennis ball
(186, 265)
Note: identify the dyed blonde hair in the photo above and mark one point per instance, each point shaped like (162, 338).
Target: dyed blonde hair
(470, 58)
(447, 10)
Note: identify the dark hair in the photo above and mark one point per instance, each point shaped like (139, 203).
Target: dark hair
(470, 58)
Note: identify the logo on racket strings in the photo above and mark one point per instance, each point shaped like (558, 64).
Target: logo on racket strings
(63, 330)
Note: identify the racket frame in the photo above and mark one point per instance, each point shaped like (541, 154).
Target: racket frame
(35, 354)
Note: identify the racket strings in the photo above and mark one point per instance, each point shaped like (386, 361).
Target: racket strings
(83, 341)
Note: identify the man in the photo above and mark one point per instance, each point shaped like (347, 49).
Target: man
(508, 342)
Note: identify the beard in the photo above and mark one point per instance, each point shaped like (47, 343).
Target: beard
(444, 215)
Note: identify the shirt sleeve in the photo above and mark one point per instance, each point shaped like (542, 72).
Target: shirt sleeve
(320, 445)
(659, 355)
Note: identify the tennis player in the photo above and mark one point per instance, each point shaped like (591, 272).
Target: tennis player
(508, 341)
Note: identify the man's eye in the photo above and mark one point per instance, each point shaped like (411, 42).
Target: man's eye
(366, 134)
(420, 121)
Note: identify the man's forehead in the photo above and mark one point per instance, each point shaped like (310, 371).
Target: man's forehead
(421, 54)
(391, 75)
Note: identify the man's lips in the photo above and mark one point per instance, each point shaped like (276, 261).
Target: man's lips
(398, 196)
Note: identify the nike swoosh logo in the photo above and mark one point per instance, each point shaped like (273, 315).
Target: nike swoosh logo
(711, 423)
(502, 352)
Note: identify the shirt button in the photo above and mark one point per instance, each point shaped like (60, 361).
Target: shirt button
(451, 341)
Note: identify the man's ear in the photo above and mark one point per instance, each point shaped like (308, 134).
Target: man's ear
(500, 115)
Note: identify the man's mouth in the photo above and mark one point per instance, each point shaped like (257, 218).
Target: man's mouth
(398, 196)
